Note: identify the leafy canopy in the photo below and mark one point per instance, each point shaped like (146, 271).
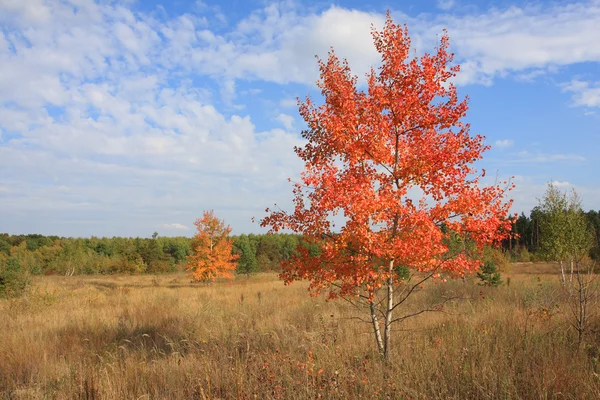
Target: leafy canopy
(211, 255)
(395, 161)
(565, 230)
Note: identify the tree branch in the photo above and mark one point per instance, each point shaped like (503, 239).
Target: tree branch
(437, 308)
(412, 289)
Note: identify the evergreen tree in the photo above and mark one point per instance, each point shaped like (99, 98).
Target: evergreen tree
(489, 275)
(247, 263)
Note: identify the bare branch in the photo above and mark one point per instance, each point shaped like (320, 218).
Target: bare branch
(362, 296)
(437, 308)
(416, 285)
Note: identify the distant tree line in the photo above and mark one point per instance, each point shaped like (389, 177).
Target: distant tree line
(526, 246)
(49, 255)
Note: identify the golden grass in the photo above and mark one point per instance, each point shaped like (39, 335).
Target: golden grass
(162, 337)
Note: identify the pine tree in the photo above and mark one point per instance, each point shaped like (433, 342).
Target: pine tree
(247, 263)
(489, 274)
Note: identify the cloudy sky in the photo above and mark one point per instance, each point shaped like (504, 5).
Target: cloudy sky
(129, 117)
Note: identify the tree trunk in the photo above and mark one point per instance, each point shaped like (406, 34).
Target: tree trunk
(571, 278)
(562, 273)
(376, 329)
(582, 308)
(388, 311)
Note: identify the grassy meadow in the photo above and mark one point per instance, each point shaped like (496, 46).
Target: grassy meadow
(163, 337)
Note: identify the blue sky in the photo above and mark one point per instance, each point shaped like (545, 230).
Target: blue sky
(129, 117)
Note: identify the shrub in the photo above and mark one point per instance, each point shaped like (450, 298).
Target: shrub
(489, 274)
(160, 266)
(403, 272)
(13, 278)
(496, 257)
(524, 255)
(133, 264)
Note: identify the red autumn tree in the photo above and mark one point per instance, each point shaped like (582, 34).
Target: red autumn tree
(211, 256)
(396, 163)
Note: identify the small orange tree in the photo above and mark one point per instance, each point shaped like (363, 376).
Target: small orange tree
(396, 162)
(211, 256)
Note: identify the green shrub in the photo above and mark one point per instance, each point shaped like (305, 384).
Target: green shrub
(403, 272)
(497, 257)
(160, 266)
(13, 278)
(489, 274)
(524, 255)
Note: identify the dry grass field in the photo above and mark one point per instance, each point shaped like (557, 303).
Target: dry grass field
(162, 337)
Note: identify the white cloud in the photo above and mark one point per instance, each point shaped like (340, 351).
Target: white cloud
(286, 120)
(532, 75)
(504, 143)
(228, 91)
(522, 39)
(446, 4)
(529, 190)
(586, 94)
(85, 131)
(288, 103)
(291, 41)
(526, 41)
(528, 157)
(174, 226)
(31, 11)
(278, 43)
(115, 112)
